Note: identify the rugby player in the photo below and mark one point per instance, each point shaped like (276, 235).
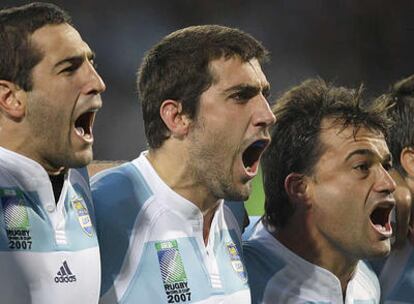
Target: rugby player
(49, 95)
(165, 235)
(328, 199)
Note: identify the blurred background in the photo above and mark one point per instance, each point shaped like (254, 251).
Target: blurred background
(346, 41)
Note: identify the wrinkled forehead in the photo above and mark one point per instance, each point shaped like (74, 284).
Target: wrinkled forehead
(337, 138)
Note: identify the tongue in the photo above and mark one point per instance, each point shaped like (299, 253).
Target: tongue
(381, 228)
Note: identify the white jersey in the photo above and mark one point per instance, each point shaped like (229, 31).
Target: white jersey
(397, 276)
(48, 253)
(277, 275)
(152, 243)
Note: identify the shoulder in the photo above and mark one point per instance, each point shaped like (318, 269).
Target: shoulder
(124, 183)
(262, 265)
(261, 259)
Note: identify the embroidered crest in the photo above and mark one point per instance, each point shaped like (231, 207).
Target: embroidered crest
(236, 262)
(83, 215)
(172, 272)
(16, 219)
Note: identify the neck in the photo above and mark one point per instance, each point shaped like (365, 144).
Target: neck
(23, 144)
(175, 173)
(311, 247)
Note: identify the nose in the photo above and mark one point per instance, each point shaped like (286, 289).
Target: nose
(263, 115)
(93, 83)
(385, 182)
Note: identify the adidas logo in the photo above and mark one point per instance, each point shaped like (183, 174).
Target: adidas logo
(64, 275)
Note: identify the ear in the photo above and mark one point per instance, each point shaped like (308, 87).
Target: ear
(296, 188)
(407, 160)
(177, 122)
(12, 100)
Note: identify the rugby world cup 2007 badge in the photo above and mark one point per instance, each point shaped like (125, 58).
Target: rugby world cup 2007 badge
(16, 219)
(83, 215)
(172, 272)
(236, 262)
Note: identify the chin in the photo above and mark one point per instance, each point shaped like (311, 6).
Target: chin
(238, 194)
(381, 249)
(81, 159)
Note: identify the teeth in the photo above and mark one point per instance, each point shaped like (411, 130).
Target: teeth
(381, 229)
(80, 131)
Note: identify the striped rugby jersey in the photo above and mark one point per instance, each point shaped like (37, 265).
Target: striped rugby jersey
(277, 275)
(152, 244)
(48, 253)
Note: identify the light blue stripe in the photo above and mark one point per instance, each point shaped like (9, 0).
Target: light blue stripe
(238, 210)
(118, 196)
(261, 266)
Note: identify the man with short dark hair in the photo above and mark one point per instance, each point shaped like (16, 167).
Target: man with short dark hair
(328, 199)
(165, 235)
(49, 94)
(396, 277)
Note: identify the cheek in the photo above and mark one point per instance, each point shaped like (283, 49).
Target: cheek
(333, 198)
(341, 204)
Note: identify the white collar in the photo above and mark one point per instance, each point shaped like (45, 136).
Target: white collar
(187, 209)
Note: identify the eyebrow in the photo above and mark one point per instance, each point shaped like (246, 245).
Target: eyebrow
(248, 89)
(370, 153)
(75, 59)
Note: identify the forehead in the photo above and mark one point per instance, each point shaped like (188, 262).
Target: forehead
(341, 142)
(228, 72)
(58, 42)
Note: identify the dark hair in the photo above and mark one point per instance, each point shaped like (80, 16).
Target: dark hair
(18, 55)
(401, 133)
(178, 68)
(296, 145)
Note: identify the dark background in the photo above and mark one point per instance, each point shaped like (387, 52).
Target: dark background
(348, 42)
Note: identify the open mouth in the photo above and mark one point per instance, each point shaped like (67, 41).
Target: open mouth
(380, 218)
(251, 155)
(83, 125)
